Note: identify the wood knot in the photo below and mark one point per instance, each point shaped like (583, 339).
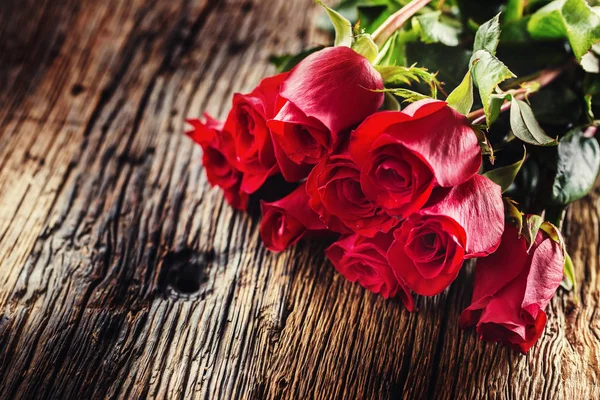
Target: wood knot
(184, 272)
(77, 89)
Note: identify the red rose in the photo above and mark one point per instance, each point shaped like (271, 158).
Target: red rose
(251, 148)
(335, 194)
(404, 155)
(512, 288)
(325, 94)
(219, 171)
(431, 245)
(363, 260)
(286, 221)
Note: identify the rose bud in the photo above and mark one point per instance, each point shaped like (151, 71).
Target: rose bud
(286, 221)
(363, 260)
(219, 171)
(404, 155)
(512, 288)
(325, 94)
(335, 194)
(431, 245)
(252, 149)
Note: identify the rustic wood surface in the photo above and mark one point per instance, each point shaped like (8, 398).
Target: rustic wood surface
(123, 275)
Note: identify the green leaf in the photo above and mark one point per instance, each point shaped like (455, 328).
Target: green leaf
(532, 226)
(505, 176)
(577, 167)
(569, 282)
(461, 98)
(488, 36)
(515, 32)
(433, 30)
(496, 101)
(286, 62)
(343, 27)
(591, 60)
(390, 103)
(488, 73)
(525, 126)
(484, 144)
(451, 63)
(512, 213)
(366, 47)
(573, 20)
(373, 14)
(397, 75)
(589, 111)
(408, 95)
(393, 52)
(514, 10)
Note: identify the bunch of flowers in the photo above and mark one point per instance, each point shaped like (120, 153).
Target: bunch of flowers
(414, 192)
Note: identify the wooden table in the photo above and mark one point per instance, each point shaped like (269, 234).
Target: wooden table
(122, 274)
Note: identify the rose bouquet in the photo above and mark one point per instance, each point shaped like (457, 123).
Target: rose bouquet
(414, 176)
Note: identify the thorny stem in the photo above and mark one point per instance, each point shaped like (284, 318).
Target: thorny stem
(544, 78)
(396, 20)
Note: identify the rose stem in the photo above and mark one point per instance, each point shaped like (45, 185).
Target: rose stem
(544, 78)
(396, 20)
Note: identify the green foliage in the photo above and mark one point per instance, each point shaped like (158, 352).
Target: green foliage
(450, 63)
(577, 167)
(505, 176)
(393, 52)
(514, 10)
(433, 29)
(531, 227)
(488, 73)
(390, 103)
(372, 13)
(397, 76)
(568, 282)
(573, 20)
(484, 144)
(343, 27)
(488, 36)
(461, 98)
(365, 46)
(525, 126)
(512, 213)
(408, 95)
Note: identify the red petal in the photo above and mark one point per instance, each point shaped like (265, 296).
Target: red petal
(204, 133)
(404, 266)
(512, 288)
(363, 260)
(332, 85)
(445, 139)
(430, 128)
(296, 205)
(370, 129)
(477, 206)
(291, 171)
(496, 271)
(545, 275)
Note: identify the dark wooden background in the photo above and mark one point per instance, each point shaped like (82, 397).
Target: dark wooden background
(123, 275)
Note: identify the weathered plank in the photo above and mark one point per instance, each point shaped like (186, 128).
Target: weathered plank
(123, 275)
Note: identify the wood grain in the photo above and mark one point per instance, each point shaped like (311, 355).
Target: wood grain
(123, 275)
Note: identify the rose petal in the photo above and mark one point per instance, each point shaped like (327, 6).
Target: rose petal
(512, 288)
(545, 275)
(430, 128)
(477, 206)
(333, 86)
(417, 277)
(363, 260)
